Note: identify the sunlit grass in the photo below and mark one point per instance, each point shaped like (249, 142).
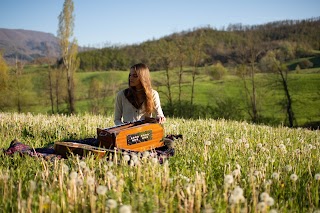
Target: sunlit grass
(219, 166)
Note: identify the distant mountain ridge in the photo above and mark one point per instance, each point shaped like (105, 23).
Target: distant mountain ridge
(27, 45)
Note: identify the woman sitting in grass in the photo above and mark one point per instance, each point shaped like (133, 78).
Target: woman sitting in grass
(139, 101)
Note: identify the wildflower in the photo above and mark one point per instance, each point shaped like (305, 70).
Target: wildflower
(294, 177)
(90, 181)
(275, 176)
(65, 168)
(236, 172)
(228, 179)
(273, 211)
(125, 209)
(264, 196)
(146, 154)
(317, 176)
(237, 191)
(126, 158)
(269, 201)
(112, 204)
(261, 206)
(82, 164)
(246, 145)
(154, 160)
(101, 190)
(207, 143)
(73, 175)
(110, 163)
(288, 168)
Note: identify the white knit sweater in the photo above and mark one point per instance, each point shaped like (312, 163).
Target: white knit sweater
(124, 111)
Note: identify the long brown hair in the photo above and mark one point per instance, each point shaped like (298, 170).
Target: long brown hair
(143, 73)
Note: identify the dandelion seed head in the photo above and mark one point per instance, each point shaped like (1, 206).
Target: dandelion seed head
(101, 190)
(273, 211)
(269, 201)
(82, 164)
(111, 204)
(73, 175)
(294, 177)
(228, 179)
(65, 168)
(288, 168)
(264, 196)
(237, 191)
(275, 176)
(236, 172)
(154, 160)
(125, 209)
(126, 158)
(146, 154)
(261, 206)
(110, 163)
(317, 176)
(90, 181)
(207, 143)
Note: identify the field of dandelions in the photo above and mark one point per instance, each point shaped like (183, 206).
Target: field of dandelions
(218, 166)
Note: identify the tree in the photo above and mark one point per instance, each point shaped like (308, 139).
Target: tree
(4, 80)
(69, 49)
(250, 50)
(272, 63)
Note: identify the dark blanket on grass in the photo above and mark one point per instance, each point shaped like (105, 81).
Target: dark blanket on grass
(48, 152)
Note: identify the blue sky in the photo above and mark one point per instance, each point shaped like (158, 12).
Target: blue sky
(106, 22)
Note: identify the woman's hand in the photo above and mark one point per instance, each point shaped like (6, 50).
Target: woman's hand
(161, 119)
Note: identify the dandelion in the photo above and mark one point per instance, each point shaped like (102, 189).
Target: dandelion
(273, 211)
(261, 206)
(317, 176)
(236, 172)
(228, 179)
(82, 164)
(125, 209)
(126, 158)
(146, 154)
(207, 143)
(275, 176)
(112, 204)
(294, 177)
(264, 196)
(288, 168)
(269, 201)
(73, 175)
(90, 181)
(101, 190)
(246, 145)
(110, 163)
(237, 191)
(65, 168)
(154, 161)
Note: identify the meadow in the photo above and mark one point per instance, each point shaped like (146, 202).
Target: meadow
(304, 86)
(219, 166)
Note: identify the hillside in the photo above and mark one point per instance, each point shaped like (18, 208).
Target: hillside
(27, 45)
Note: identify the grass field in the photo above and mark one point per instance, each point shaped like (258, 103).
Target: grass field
(218, 166)
(304, 87)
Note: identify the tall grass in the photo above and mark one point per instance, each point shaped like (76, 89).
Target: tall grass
(219, 166)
